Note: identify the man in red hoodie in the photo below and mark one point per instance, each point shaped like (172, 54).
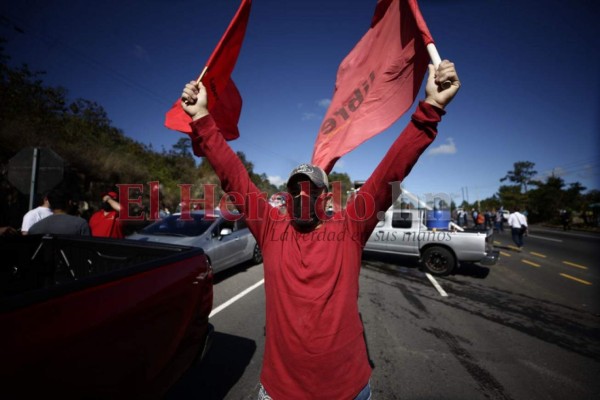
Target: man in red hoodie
(105, 222)
(314, 347)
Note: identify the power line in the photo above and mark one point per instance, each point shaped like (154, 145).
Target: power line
(84, 58)
(80, 56)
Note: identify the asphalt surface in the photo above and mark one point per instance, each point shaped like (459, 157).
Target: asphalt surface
(526, 328)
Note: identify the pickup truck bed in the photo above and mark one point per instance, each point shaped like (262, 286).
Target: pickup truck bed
(86, 317)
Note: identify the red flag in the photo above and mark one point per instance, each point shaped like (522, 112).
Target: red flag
(224, 100)
(377, 81)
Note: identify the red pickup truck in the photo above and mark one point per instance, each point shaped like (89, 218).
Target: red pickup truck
(99, 318)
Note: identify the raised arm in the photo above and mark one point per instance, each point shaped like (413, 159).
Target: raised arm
(207, 141)
(376, 194)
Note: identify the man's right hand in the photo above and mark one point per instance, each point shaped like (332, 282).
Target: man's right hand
(194, 100)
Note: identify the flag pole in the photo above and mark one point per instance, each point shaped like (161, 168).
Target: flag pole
(436, 60)
(201, 75)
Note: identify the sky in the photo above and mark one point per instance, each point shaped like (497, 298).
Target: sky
(529, 72)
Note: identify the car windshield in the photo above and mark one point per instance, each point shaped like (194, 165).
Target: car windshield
(173, 225)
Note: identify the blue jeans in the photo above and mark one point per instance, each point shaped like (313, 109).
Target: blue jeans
(365, 393)
(499, 226)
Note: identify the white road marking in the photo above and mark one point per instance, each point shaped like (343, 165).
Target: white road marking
(235, 298)
(436, 285)
(262, 281)
(545, 238)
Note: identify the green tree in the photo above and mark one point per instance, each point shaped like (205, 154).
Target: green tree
(97, 153)
(345, 184)
(522, 174)
(591, 208)
(511, 196)
(546, 201)
(260, 180)
(573, 199)
(182, 147)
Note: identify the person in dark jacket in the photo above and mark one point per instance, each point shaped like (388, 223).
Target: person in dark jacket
(60, 222)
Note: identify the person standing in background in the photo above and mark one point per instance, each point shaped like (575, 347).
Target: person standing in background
(500, 220)
(36, 215)
(105, 222)
(60, 222)
(518, 227)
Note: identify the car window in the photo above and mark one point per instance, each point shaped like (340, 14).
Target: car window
(241, 224)
(173, 225)
(224, 224)
(402, 220)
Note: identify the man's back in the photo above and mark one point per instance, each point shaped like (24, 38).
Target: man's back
(61, 224)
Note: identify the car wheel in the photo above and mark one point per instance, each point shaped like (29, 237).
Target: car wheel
(438, 261)
(257, 257)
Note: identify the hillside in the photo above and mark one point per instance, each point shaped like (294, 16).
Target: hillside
(98, 155)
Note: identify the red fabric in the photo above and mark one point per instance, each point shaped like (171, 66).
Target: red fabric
(377, 82)
(106, 225)
(314, 346)
(224, 100)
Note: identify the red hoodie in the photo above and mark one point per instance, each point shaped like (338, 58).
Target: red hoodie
(314, 345)
(106, 224)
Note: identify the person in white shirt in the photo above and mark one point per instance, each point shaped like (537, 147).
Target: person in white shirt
(36, 215)
(518, 227)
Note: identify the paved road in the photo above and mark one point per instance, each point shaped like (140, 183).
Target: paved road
(560, 265)
(526, 328)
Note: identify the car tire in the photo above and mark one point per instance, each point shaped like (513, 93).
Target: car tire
(257, 257)
(438, 261)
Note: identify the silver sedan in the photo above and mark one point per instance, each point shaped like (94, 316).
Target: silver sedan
(226, 243)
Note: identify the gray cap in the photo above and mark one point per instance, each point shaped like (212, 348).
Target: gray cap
(314, 173)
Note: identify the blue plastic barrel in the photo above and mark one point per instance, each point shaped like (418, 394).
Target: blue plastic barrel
(438, 219)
